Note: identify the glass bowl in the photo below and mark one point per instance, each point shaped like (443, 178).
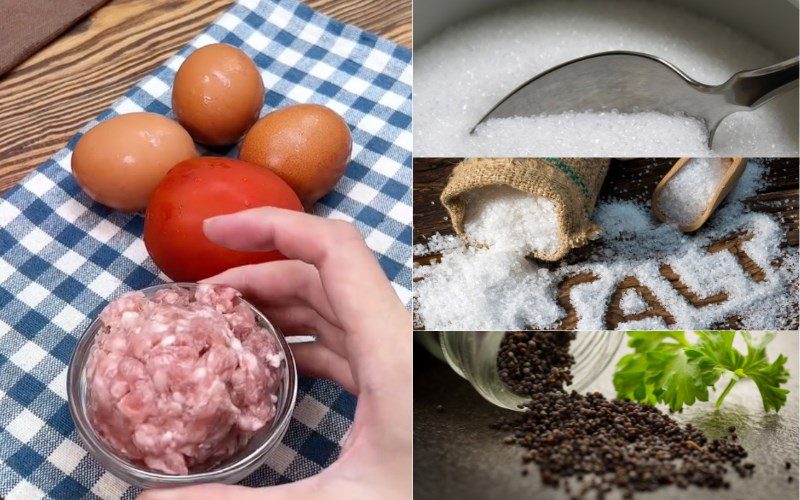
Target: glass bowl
(232, 470)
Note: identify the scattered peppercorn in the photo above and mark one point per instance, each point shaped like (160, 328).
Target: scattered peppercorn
(531, 362)
(619, 444)
(788, 465)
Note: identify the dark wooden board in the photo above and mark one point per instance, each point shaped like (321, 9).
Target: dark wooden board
(632, 179)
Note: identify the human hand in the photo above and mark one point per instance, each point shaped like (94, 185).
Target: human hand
(333, 287)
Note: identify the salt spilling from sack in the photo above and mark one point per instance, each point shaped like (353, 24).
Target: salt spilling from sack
(507, 219)
(461, 73)
(686, 195)
(486, 289)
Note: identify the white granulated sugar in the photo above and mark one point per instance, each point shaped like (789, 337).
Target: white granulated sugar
(686, 195)
(505, 218)
(490, 289)
(460, 74)
(597, 134)
(632, 302)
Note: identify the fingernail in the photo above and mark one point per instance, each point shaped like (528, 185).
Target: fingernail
(211, 220)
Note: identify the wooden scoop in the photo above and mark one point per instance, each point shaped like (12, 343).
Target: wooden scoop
(736, 168)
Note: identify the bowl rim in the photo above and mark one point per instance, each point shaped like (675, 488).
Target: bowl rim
(139, 476)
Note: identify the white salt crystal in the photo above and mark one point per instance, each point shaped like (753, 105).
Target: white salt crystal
(654, 323)
(686, 195)
(463, 72)
(436, 244)
(483, 290)
(505, 218)
(492, 289)
(707, 274)
(632, 302)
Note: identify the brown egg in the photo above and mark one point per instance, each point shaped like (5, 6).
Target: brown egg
(218, 93)
(120, 161)
(307, 145)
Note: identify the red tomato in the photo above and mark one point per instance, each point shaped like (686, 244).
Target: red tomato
(195, 190)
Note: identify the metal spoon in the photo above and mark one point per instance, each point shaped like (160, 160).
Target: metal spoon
(634, 82)
(735, 170)
(301, 339)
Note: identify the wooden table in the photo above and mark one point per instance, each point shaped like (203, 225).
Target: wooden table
(46, 99)
(629, 179)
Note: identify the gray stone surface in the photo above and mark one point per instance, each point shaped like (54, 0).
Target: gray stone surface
(456, 455)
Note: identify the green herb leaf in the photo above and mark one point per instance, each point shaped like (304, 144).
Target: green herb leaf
(767, 376)
(666, 368)
(658, 371)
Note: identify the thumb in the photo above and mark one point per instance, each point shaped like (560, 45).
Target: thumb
(292, 491)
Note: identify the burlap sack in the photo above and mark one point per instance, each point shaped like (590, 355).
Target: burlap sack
(571, 184)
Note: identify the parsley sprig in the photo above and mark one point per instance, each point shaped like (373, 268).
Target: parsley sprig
(666, 368)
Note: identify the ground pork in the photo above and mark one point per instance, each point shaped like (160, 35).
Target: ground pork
(181, 380)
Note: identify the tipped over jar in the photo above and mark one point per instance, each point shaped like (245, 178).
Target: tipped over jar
(474, 356)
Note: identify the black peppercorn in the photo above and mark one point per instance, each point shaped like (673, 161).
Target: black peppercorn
(618, 444)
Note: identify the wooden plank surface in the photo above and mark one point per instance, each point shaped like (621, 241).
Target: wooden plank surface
(627, 180)
(46, 99)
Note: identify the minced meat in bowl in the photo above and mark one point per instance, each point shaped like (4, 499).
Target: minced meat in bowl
(181, 384)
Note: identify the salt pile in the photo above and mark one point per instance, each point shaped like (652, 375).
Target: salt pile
(632, 302)
(488, 289)
(686, 195)
(460, 74)
(507, 219)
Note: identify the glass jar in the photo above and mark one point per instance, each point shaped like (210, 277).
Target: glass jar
(234, 469)
(473, 355)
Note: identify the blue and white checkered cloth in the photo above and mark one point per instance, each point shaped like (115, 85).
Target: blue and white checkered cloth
(62, 257)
